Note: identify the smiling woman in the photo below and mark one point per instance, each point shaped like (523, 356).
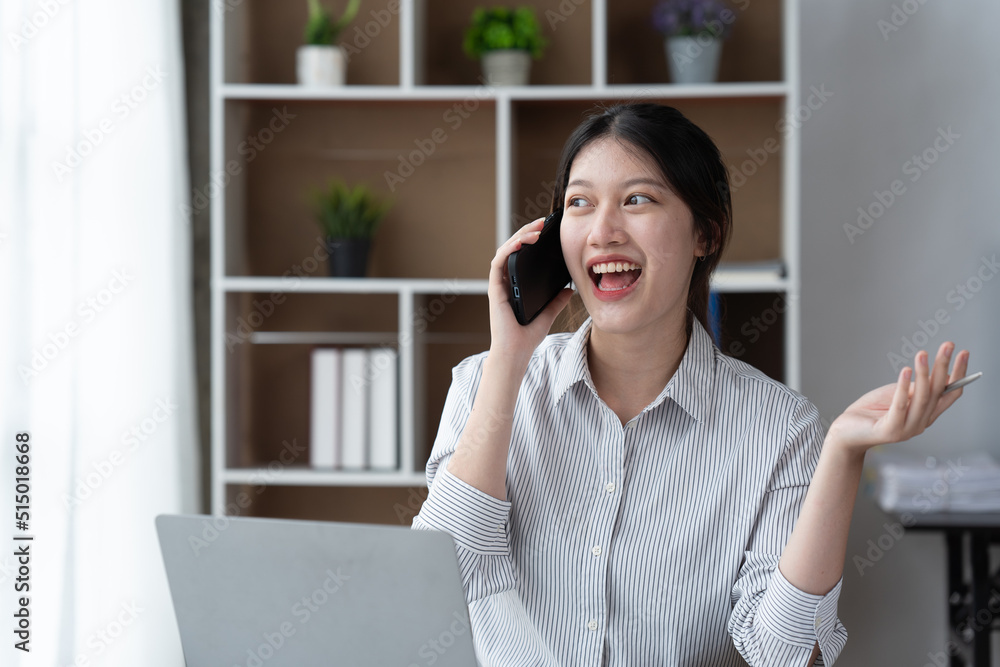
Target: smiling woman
(626, 494)
(664, 166)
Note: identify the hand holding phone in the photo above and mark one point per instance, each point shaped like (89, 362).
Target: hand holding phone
(537, 272)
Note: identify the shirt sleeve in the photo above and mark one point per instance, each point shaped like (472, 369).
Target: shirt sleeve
(773, 622)
(502, 631)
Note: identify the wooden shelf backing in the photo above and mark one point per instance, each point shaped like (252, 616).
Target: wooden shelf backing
(263, 36)
(753, 330)
(260, 313)
(390, 505)
(565, 24)
(434, 160)
(752, 52)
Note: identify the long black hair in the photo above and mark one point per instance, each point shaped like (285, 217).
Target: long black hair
(689, 161)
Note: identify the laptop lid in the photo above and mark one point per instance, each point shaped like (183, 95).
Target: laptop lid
(252, 592)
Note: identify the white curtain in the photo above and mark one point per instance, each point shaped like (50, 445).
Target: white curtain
(95, 324)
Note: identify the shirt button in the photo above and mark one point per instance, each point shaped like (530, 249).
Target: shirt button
(596, 550)
(629, 426)
(610, 487)
(500, 528)
(592, 626)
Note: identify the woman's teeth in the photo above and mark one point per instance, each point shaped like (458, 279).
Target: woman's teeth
(614, 267)
(615, 276)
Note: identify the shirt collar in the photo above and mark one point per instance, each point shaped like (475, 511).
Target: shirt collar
(690, 386)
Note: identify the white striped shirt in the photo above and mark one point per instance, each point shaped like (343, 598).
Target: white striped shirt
(652, 543)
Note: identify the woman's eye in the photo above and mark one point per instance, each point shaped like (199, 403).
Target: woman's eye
(638, 199)
(577, 201)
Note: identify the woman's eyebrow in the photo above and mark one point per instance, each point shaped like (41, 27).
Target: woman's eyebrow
(632, 182)
(644, 181)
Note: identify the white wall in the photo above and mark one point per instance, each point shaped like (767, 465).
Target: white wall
(891, 95)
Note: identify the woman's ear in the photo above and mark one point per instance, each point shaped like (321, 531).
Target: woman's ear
(704, 246)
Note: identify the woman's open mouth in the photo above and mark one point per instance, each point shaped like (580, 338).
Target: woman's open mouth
(614, 279)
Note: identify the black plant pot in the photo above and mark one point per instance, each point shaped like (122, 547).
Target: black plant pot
(348, 257)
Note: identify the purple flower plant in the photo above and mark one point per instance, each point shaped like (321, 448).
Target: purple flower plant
(689, 18)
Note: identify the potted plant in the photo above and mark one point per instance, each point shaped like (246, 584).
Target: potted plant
(505, 40)
(349, 218)
(693, 33)
(320, 61)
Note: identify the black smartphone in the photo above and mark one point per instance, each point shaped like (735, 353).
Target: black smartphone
(537, 272)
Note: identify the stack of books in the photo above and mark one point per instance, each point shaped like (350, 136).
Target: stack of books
(353, 408)
(926, 484)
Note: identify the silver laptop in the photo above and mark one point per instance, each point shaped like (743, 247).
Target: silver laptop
(252, 592)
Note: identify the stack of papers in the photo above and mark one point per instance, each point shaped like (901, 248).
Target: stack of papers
(926, 484)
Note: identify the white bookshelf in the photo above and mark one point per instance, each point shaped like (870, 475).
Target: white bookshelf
(241, 450)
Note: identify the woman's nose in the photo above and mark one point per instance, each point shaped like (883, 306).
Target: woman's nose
(607, 227)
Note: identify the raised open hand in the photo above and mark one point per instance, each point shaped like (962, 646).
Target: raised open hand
(897, 412)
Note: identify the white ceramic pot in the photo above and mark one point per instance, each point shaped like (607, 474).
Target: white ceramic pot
(693, 59)
(507, 67)
(321, 65)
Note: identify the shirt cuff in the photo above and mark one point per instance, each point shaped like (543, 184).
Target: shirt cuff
(803, 618)
(477, 521)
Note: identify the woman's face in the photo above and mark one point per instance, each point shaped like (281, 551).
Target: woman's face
(620, 213)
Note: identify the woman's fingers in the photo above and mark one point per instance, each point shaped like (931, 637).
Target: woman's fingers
(527, 234)
(940, 376)
(958, 372)
(895, 420)
(916, 414)
(498, 267)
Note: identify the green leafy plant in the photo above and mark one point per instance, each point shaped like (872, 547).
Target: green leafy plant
(504, 28)
(321, 29)
(344, 212)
